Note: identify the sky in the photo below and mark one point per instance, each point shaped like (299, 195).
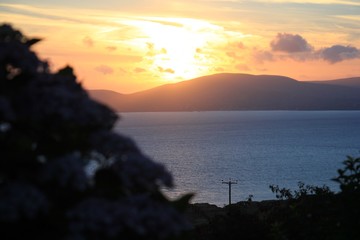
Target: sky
(133, 45)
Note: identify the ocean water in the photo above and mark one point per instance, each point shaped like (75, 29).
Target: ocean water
(256, 148)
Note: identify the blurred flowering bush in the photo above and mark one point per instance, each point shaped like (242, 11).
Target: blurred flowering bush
(63, 173)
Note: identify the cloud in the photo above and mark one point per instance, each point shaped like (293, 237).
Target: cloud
(104, 69)
(152, 51)
(163, 51)
(242, 67)
(232, 54)
(262, 56)
(139, 70)
(166, 70)
(219, 69)
(235, 50)
(294, 46)
(150, 45)
(322, 2)
(297, 48)
(290, 43)
(88, 41)
(163, 22)
(241, 45)
(338, 53)
(122, 70)
(111, 48)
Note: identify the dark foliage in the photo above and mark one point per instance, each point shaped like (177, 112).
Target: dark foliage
(349, 177)
(63, 173)
(309, 213)
(304, 190)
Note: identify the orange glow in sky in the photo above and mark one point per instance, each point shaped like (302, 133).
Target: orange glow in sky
(128, 46)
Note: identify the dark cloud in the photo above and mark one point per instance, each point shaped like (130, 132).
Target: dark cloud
(88, 41)
(290, 43)
(338, 53)
(166, 70)
(104, 69)
(295, 47)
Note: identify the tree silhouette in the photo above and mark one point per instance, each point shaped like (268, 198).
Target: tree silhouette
(64, 174)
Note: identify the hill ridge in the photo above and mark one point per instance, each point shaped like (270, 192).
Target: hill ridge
(233, 91)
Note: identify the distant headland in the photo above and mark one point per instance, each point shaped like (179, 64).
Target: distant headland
(234, 91)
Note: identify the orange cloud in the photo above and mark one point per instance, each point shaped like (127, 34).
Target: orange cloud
(139, 70)
(166, 70)
(111, 48)
(104, 69)
(88, 41)
(97, 41)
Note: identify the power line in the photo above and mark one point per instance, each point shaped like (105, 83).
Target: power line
(229, 183)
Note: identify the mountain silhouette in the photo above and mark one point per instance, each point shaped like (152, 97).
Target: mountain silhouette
(231, 91)
(350, 82)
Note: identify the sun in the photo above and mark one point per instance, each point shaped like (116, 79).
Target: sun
(173, 46)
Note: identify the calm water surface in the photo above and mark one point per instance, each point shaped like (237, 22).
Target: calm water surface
(257, 148)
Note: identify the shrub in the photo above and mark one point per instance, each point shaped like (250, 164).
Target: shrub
(304, 190)
(64, 174)
(349, 177)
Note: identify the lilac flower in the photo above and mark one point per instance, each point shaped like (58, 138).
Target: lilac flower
(136, 216)
(21, 200)
(61, 163)
(157, 218)
(19, 56)
(138, 172)
(66, 171)
(60, 103)
(135, 170)
(6, 111)
(112, 144)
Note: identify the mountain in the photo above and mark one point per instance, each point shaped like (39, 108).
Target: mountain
(230, 91)
(110, 98)
(350, 82)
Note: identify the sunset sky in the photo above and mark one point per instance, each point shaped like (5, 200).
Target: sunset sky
(133, 45)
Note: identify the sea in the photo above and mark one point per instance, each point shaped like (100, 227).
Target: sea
(206, 150)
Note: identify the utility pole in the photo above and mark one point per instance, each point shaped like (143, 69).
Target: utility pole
(229, 183)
